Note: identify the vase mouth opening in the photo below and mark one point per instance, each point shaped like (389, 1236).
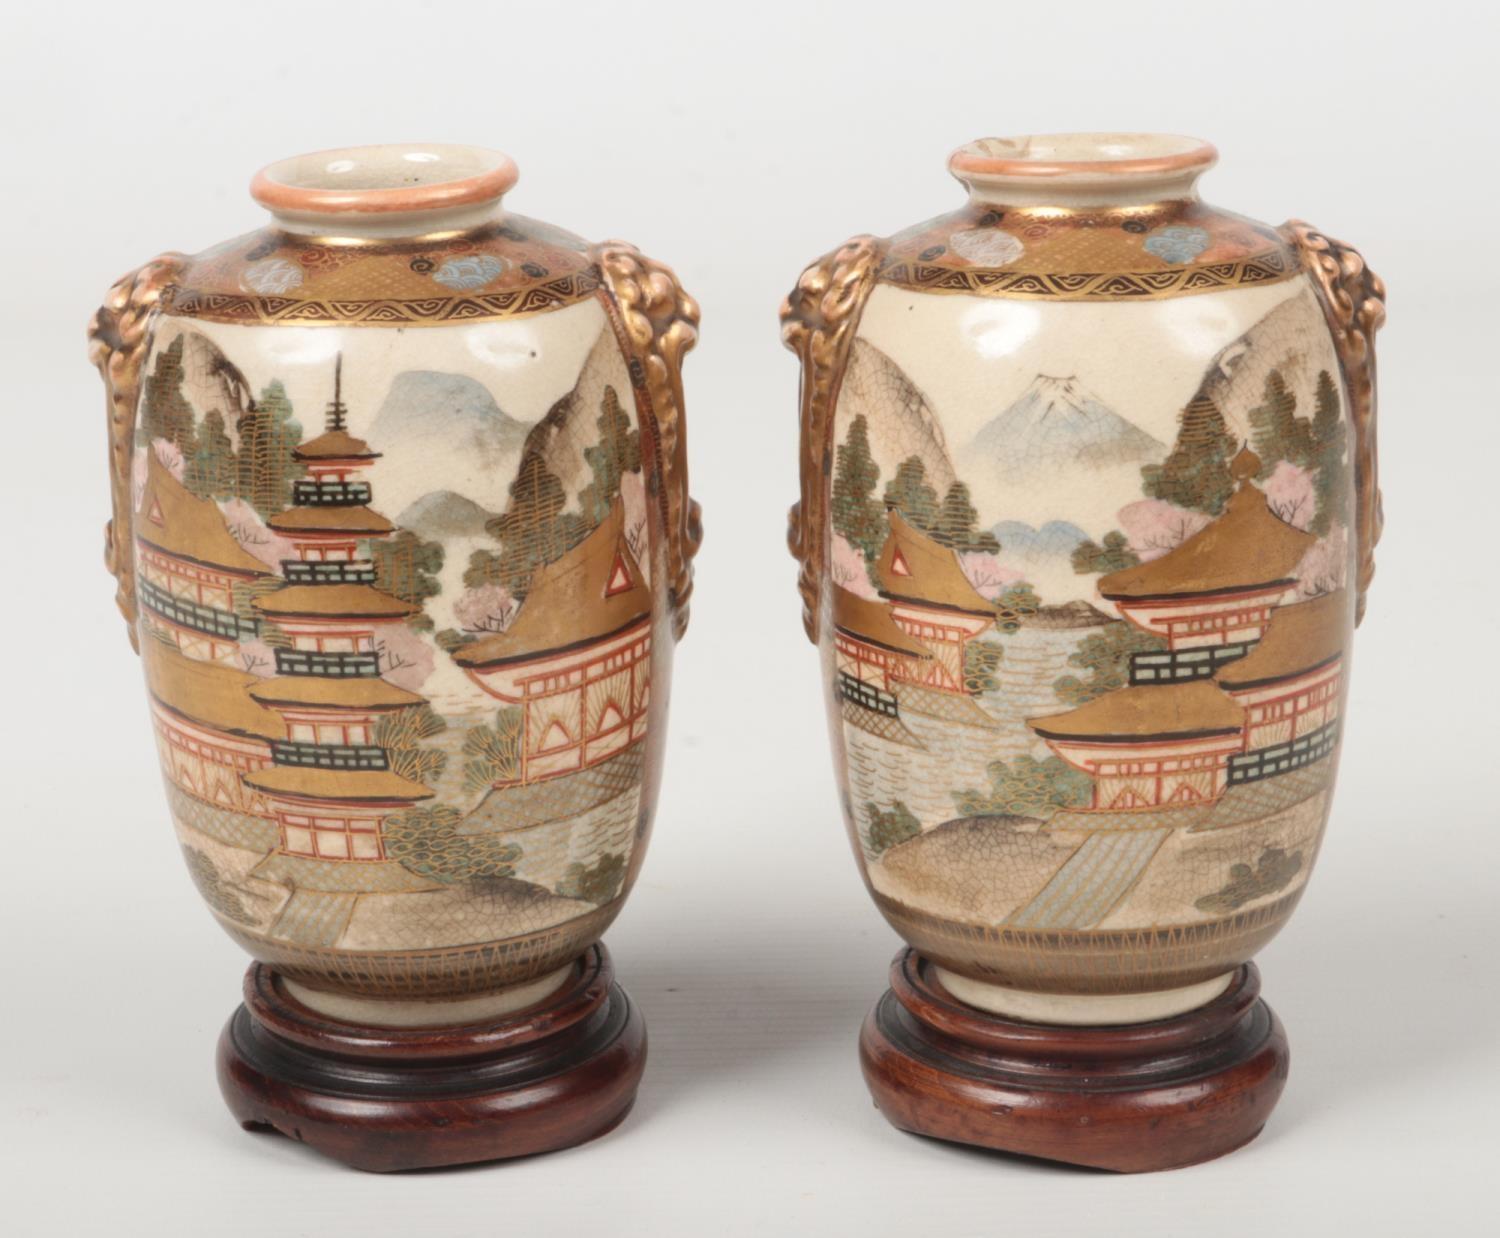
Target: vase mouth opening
(390, 188)
(1071, 167)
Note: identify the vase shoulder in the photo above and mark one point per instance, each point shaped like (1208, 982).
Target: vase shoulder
(1113, 253)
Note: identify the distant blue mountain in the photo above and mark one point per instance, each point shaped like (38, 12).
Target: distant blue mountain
(1056, 537)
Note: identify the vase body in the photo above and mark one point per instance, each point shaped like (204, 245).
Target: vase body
(1088, 499)
(402, 532)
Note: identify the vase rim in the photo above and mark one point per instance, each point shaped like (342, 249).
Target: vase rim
(1043, 156)
(404, 179)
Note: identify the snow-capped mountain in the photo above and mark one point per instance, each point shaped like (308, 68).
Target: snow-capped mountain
(1058, 424)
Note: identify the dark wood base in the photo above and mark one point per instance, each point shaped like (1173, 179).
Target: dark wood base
(555, 1074)
(1132, 1098)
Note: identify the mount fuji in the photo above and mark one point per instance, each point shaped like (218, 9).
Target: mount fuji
(1057, 427)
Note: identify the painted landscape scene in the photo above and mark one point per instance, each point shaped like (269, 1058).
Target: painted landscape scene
(1114, 718)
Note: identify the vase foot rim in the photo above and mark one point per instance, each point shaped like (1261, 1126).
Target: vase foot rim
(559, 1072)
(1129, 1098)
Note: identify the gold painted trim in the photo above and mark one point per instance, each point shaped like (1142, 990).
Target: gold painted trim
(1269, 267)
(817, 323)
(418, 311)
(119, 338)
(1353, 299)
(658, 322)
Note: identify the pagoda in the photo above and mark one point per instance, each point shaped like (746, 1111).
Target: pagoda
(209, 731)
(188, 567)
(1212, 597)
(331, 785)
(871, 651)
(1289, 686)
(576, 658)
(1150, 746)
(933, 602)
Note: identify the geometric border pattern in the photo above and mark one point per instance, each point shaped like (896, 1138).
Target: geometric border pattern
(1266, 268)
(234, 307)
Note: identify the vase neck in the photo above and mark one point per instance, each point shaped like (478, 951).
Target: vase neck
(385, 192)
(1072, 170)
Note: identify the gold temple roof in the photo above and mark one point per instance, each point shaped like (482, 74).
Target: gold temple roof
(333, 692)
(570, 601)
(334, 445)
(375, 785)
(1299, 637)
(332, 602)
(871, 622)
(933, 576)
(1146, 712)
(174, 520)
(205, 692)
(1247, 547)
(360, 521)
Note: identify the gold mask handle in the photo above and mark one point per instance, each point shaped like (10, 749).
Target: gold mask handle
(119, 337)
(658, 322)
(818, 321)
(1353, 298)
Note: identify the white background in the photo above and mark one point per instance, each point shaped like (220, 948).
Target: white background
(739, 142)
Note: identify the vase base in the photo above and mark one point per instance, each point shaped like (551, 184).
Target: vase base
(552, 1075)
(1130, 1098)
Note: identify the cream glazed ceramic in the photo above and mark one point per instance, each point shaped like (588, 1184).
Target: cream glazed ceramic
(1088, 503)
(402, 532)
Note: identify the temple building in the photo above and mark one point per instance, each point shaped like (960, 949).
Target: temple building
(1211, 597)
(1289, 686)
(933, 602)
(1150, 746)
(871, 652)
(329, 516)
(188, 568)
(331, 785)
(576, 658)
(209, 731)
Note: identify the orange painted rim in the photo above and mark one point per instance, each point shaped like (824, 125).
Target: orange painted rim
(1195, 154)
(489, 183)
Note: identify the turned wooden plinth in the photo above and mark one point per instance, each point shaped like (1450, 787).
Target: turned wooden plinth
(552, 1075)
(1130, 1098)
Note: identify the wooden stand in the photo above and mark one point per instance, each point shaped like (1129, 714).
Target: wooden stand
(555, 1074)
(1132, 1098)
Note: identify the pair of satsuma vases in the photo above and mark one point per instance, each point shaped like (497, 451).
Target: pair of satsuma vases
(402, 533)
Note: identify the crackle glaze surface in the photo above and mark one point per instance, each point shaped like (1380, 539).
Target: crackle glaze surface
(401, 527)
(1087, 590)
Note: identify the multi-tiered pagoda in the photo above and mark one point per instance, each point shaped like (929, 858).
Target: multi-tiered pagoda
(1212, 596)
(331, 785)
(188, 568)
(576, 659)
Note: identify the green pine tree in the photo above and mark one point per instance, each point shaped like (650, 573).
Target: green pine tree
(1276, 432)
(406, 567)
(533, 529)
(213, 471)
(617, 452)
(857, 514)
(1329, 435)
(165, 411)
(1195, 474)
(268, 436)
(909, 493)
(895, 825)
(957, 522)
(1110, 556)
